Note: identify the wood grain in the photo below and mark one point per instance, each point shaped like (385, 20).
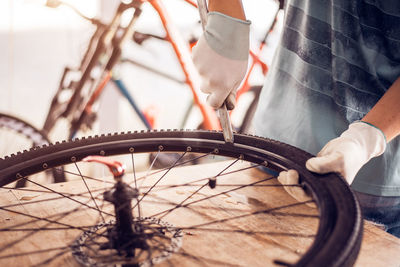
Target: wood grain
(281, 229)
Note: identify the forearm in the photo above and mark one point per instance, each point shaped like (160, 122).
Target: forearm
(386, 113)
(231, 8)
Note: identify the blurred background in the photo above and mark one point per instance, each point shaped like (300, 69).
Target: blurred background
(37, 42)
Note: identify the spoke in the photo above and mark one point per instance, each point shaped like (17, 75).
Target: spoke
(164, 201)
(68, 197)
(162, 177)
(27, 189)
(198, 190)
(227, 167)
(192, 183)
(264, 211)
(177, 165)
(36, 230)
(181, 203)
(41, 229)
(290, 214)
(11, 244)
(149, 169)
(135, 180)
(45, 200)
(48, 192)
(47, 261)
(58, 217)
(86, 177)
(246, 232)
(43, 219)
(33, 252)
(167, 201)
(164, 187)
(90, 192)
(213, 196)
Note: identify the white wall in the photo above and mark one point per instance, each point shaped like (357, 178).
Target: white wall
(35, 43)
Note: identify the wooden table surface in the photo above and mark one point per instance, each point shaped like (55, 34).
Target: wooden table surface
(378, 247)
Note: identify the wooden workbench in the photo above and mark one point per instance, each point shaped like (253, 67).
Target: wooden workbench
(378, 248)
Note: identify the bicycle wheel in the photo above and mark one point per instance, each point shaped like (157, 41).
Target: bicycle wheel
(17, 135)
(183, 222)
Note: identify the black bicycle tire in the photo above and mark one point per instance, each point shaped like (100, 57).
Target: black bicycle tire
(21, 126)
(38, 138)
(339, 234)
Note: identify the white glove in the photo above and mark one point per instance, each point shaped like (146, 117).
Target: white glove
(350, 151)
(290, 180)
(344, 155)
(221, 58)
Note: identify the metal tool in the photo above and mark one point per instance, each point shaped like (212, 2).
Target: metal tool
(222, 112)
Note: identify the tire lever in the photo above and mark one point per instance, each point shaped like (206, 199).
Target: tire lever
(222, 112)
(226, 124)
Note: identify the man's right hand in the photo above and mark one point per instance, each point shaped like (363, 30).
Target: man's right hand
(221, 58)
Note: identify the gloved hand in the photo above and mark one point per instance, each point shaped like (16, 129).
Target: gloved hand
(221, 58)
(290, 180)
(350, 151)
(345, 155)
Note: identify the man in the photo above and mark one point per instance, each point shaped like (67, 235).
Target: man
(333, 90)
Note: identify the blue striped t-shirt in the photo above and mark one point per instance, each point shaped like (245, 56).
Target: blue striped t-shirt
(335, 60)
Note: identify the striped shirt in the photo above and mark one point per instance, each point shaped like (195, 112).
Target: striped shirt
(335, 60)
